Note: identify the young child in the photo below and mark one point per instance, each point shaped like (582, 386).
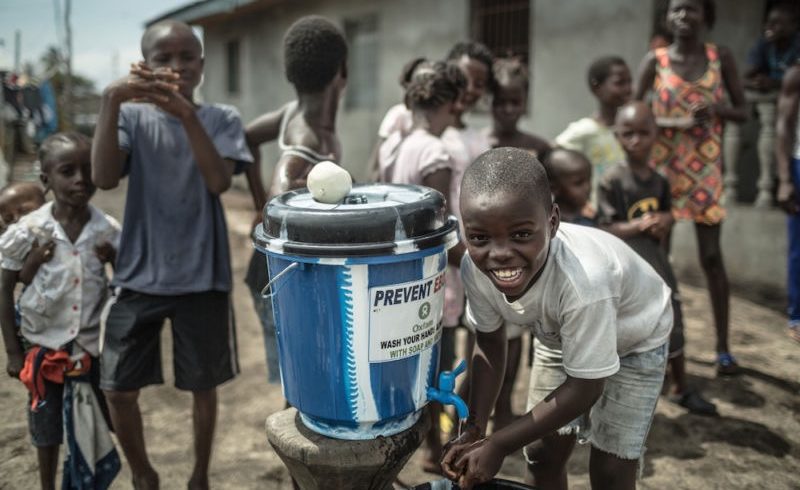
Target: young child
(464, 144)
(174, 259)
(634, 204)
(689, 79)
(17, 200)
(398, 117)
(60, 310)
(787, 157)
(315, 59)
(610, 82)
(570, 176)
(775, 51)
(422, 158)
(580, 290)
(509, 102)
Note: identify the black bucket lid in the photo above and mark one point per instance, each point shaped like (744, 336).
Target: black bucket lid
(374, 219)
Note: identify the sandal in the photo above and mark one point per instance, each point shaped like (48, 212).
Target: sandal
(695, 403)
(727, 365)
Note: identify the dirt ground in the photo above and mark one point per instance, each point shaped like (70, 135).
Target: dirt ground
(755, 443)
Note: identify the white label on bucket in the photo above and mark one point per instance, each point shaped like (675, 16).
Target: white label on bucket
(405, 319)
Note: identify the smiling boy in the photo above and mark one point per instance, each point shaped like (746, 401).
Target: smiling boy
(580, 290)
(174, 259)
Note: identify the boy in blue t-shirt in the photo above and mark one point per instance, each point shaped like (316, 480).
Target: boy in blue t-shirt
(173, 260)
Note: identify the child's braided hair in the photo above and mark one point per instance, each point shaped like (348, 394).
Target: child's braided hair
(434, 87)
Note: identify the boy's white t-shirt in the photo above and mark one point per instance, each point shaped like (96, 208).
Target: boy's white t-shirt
(597, 300)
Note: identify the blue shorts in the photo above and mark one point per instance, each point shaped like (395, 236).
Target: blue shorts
(619, 421)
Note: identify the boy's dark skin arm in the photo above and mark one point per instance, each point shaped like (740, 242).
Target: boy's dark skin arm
(754, 79)
(107, 158)
(14, 353)
(786, 130)
(656, 224)
(106, 253)
(217, 172)
(291, 172)
(262, 130)
(645, 76)
(736, 111)
(470, 462)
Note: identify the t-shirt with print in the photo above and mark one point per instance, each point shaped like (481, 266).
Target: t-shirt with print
(597, 142)
(623, 196)
(595, 299)
(174, 238)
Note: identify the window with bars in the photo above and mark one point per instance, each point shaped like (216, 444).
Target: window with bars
(503, 26)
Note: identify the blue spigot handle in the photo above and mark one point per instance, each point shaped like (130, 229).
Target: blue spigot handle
(445, 394)
(447, 379)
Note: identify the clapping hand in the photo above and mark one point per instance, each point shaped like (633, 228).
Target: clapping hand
(656, 225)
(160, 87)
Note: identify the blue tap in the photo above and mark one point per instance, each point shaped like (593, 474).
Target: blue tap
(445, 394)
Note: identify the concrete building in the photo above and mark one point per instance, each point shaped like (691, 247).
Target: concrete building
(243, 50)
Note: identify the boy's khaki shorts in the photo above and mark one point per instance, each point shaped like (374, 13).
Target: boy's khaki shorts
(619, 421)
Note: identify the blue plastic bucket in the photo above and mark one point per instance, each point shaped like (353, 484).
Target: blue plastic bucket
(358, 295)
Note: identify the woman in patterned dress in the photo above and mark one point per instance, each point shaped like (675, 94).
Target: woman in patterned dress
(688, 80)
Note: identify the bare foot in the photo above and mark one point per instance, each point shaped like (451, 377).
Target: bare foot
(198, 483)
(147, 481)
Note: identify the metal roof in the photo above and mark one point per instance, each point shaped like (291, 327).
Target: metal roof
(204, 11)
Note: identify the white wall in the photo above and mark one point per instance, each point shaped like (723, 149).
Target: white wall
(567, 35)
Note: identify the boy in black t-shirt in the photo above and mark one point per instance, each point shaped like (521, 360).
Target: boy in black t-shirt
(634, 204)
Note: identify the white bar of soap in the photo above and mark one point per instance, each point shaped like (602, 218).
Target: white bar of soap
(329, 183)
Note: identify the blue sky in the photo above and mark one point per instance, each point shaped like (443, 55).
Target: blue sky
(102, 30)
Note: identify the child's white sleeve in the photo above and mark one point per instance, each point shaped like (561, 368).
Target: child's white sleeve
(480, 313)
(572, 137)
(589, 340)
(113, 232)
(433, 159)
(15, 244)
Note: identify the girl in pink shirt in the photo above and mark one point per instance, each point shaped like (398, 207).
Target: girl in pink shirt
(420, 157)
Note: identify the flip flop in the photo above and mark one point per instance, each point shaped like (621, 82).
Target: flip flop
(727, 365)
